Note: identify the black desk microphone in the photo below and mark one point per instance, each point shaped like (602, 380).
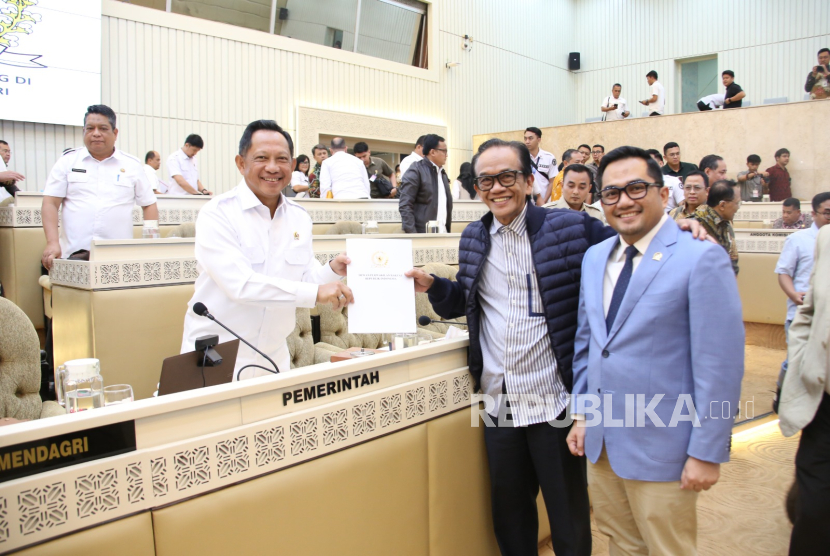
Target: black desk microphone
(200, 309)
(424, 320)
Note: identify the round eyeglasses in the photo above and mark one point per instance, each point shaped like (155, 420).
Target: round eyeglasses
(506, 178)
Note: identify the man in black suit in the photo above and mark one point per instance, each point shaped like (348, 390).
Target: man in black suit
(425, 190)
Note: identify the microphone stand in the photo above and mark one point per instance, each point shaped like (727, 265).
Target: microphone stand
(247, 343)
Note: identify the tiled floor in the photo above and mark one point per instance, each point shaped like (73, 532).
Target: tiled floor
(744, 513)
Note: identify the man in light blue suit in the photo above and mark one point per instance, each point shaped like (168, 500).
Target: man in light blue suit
(658, 362)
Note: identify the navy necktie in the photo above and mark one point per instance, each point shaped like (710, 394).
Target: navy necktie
(622, 285)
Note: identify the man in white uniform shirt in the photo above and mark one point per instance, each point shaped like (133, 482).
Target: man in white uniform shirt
(256, 265)
(8, 178)
(657, 101)
(343, 174)
(183, 169)
(614, 106)
(97, 187)
(152, 162)
(416, 155)
(711, 102)
(542, 161)
(673, 184)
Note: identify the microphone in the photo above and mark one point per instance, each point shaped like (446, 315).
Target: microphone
(200, 309)
(424, 320)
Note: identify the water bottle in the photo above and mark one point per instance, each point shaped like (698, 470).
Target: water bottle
(79, 385)
(151, 230)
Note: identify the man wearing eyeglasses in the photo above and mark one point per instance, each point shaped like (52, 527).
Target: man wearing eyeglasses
(648, 459)
(425, 190)
(518, 285)
(696, 192)
(716, 216)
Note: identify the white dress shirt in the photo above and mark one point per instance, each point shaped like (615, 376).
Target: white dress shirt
(409, 161)
(179, 164)
(254, 271)
(612, 115)
(345, 176)
(98, 197)
(298, 178)
(3, 193)
(616, 261)
(442, 201)
(658, 105)
(714, 101)
(676, 195)
(155, 183)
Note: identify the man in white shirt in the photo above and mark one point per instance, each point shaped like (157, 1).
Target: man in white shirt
(96, 187)
(673, 184)
(416, 155)
(256, 265)
(542, 161)
(657, 101)
(711, 102)
(343, 175)
(8, 179)
(152, 162)
(614, 107)
(183, 169)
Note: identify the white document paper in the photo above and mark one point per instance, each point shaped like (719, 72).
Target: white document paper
(384, 299)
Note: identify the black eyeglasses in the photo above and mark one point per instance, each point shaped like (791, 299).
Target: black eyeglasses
(506, 178)
(825, 214)
(635, 190)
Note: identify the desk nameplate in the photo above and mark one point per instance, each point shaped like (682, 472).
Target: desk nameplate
(761, 240)
(39, 507)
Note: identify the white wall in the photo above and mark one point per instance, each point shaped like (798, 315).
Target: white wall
(168, 75)
(769, 44)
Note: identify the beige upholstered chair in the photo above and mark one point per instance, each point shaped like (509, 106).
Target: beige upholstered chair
(7, 201)
(343, 227)
(188, 229)
(423, 306)
(300, 342)
(20, 367)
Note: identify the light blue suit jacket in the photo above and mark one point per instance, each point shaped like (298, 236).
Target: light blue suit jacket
(679, 332)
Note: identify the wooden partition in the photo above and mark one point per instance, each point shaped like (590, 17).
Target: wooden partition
(733, 134)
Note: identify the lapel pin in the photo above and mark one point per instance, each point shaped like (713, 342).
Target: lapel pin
(123, 170)
(657, 256)
(296, 235)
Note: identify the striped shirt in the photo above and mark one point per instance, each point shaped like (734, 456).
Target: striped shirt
(515, 342)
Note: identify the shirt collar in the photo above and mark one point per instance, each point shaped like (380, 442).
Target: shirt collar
(248, 200)
(641, 244)
(184, 154)
(416, 155)
(518, 226)
(85, 154)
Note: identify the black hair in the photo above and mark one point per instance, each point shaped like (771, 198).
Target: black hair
(670, 145)
(753, 159)
(616, 85)
(465, 176)
(700, 173)
(710, 161)
(827, 50)
(792, 202)
(779, 152)
(521, 152)
(730, 73)
(262, 125)
(338, 143)
(319, 147)
(652, 73)
(819, 199)
(361, 147)
(3, 142)
(148, 156)
(623, 153)
(568, 154)
(103, 110)
(300, 159)
(601, 147)
(578, 168)
(721, 190)
(195, 141)
(584, 145)
(535, 130)
(431, 141)
(420, 141)
(655, 153)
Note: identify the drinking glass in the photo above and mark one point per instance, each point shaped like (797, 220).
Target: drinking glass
(117, 394)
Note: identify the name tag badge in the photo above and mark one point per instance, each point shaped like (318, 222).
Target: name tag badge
(79, 170)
